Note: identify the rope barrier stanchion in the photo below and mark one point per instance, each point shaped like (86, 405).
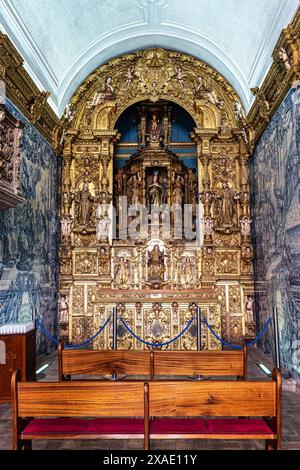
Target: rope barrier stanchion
(156, 345)
(276, 337)
(199, 329)
(199, 345)
(235, 346)
(70, 346)
(115, 336)
(115, 329)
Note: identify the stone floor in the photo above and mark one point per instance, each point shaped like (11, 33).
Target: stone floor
(291, 421)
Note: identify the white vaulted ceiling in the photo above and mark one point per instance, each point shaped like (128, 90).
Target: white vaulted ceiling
(62, 41)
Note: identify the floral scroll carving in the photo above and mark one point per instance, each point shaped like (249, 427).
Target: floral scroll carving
(10, 137)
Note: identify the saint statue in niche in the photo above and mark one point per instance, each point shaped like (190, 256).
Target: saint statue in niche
(135, 183)
(227, 205)
(154, 130)
(249, 301)
(156, 264)
(102, 228)
(178, 191)
(85, 205)
(246, 227)
(155, 191)
(122, 276)
(63, 309)
(187, 271)
(66, 226)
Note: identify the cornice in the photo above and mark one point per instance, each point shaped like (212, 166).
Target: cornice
(23, 92)
(283, 74)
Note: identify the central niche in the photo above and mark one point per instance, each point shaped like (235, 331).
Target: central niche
(156, 193)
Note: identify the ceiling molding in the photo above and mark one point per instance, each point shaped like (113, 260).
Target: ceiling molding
(135, 38)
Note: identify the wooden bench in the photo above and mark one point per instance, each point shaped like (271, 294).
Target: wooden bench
(122, 410)
(219, 404)
(116, 410)
(152, 364)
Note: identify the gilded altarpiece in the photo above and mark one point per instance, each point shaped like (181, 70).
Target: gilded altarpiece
(155, 282)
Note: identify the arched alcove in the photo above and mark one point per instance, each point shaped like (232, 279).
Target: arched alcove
(155, 126)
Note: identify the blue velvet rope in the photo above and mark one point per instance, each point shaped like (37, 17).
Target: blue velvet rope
(71, 346)
(235, 346)
(156, 345)
(46, 333)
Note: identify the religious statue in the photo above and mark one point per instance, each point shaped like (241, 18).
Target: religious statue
(129, 77)
(208, 226)
(63, 309)
(200, 85)
(282, 54)
(66, 227)
(109, 88)
(187, 272)
(246, 227)
(69, 113)
(85, 205)
(102, 228)
(154, 129)
(264, 109)
(192, 186)
(249, 301)
(65, 204)
(165, 189)
(155, 191)
(247, 254)
(122, 276)
(178, 191)
(104, 260)
(176, 259)
(156, 264)
(213, 99)
(119, 182)
(179, 77)
(239, 112)
(105, 92)
(227, 205)
(135, 189)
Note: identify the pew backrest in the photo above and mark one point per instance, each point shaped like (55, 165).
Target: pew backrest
(99, 362)
(207, 363)
(212, 398)
(96, 398)
(152, 364)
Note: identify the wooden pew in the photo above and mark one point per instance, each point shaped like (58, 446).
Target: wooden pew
(116, 408)
(152, 364)
(219, 404)
(122, 410)
(101, 363)
(232, 363)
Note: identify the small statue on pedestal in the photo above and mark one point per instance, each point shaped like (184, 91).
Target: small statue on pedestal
(156, 264)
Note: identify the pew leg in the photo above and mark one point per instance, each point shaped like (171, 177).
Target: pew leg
(269, 444)
(277, 444)
(28, 445)
(146, 443)
(17, 444)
